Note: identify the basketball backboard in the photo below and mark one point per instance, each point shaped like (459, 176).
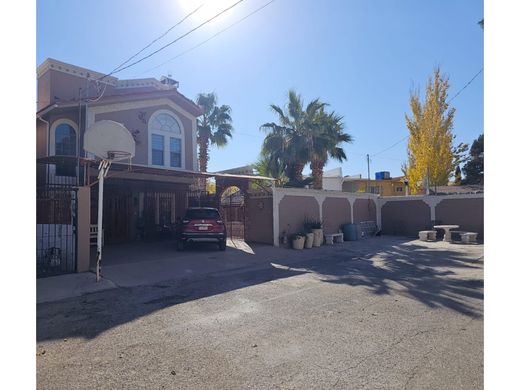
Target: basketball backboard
(109, 140)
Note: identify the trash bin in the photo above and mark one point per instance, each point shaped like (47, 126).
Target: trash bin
(350, 232)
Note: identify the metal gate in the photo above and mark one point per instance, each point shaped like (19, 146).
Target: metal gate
(158, 215)
(56, 227)
(232, 210)
(117, 216)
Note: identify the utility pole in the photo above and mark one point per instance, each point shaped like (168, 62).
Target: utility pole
(368, 177)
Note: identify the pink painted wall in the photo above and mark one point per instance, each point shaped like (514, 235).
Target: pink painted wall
(259, 220)
(405, 218)
(294, 209)
(336, 212)
(467, 213)
(364, 210)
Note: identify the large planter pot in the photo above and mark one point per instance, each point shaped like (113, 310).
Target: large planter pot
(298, 243)
(309, 240)
(318, 237)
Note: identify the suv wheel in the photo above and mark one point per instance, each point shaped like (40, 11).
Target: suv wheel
(222, 245)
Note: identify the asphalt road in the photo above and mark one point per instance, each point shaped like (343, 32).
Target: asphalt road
(408, 317)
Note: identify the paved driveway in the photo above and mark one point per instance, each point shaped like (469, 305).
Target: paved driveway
(377, 314)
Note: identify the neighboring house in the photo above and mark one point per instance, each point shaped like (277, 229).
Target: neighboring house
(453, 189)
(333, 180)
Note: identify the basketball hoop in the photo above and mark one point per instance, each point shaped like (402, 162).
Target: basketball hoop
(118, 155)
(111, 142)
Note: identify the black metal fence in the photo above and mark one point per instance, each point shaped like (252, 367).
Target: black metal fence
(56, 227)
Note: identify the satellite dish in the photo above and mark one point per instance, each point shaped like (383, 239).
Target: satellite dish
(109, 140)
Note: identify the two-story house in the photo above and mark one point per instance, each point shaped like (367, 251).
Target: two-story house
(141, 203)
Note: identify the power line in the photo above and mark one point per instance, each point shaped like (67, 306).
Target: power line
(390, 147)
(174, 41)
(457, 94)
(465, 86)
(209, 39)
(161, 36)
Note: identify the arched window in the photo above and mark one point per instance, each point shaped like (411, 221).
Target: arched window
(63, 142)
(166, 140)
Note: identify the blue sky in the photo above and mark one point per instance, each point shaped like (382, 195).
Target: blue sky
(362, 57)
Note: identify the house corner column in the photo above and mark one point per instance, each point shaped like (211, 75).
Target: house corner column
(83, 229)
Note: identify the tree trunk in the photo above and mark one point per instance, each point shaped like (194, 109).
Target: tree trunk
(297, 171)
(317, 174)
(203, 154)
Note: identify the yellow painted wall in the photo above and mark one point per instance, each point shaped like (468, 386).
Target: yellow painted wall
(386, 187)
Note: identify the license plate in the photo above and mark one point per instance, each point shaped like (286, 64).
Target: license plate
(203, 228)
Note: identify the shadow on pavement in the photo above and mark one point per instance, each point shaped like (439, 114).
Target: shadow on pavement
(428, 275)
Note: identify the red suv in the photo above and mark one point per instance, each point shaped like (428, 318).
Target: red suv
(202, 224)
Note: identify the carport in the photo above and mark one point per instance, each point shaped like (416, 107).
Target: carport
(143, 206)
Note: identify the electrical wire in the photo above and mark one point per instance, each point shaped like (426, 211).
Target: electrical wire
(209, 39)
(174, 41)
(390, 147)
(465, 86)
(457, 94)
(161, 36)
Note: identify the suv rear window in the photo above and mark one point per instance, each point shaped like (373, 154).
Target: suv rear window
(202, 214)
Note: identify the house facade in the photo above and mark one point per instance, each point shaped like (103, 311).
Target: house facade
(141, 203)
(71, 99)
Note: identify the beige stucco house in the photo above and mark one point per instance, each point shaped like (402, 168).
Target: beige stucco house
(139, 204)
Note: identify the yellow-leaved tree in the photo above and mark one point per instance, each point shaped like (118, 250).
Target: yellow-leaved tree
(432, 158)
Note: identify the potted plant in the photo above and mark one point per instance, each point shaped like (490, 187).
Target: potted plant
(316, 226)
(309, 239)
(298, 240)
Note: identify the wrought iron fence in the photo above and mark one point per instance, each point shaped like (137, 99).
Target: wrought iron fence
(56, 226)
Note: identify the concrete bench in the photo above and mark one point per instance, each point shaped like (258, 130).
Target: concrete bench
(428, 235)
(335, 237)
(469, 237)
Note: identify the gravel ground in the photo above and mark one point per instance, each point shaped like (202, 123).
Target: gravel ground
(397, 315)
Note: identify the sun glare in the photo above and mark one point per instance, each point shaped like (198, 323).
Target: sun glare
(209, 9)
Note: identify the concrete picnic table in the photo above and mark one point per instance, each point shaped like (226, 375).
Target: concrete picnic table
(447, 233)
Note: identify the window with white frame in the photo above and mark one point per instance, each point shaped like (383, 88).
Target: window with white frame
(166, 140)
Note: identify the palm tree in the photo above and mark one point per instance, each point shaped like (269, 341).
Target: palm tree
(324, 139)
(286, 142)
(268, 166)
(214, 126)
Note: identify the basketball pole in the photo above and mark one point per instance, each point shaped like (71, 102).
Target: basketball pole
(103, 169)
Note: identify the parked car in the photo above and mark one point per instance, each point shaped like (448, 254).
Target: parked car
(202, 224)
